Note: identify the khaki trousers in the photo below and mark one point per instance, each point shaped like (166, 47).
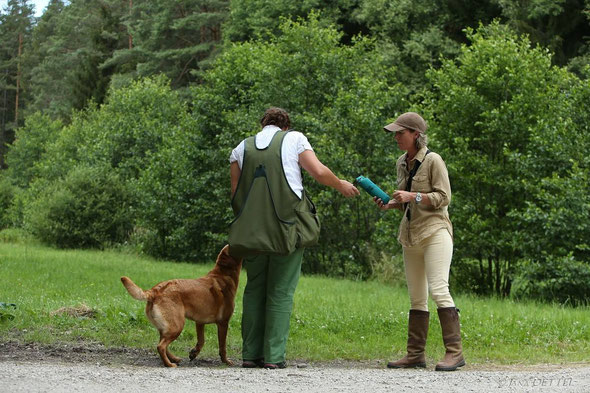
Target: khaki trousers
(427, 270)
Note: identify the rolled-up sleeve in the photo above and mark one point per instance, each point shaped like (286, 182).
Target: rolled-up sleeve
(441, 186)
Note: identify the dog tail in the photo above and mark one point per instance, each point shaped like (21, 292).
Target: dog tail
(135, 291)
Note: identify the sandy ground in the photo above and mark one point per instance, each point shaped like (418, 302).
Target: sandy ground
(88, 368)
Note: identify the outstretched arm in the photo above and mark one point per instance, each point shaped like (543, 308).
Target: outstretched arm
(323, 175)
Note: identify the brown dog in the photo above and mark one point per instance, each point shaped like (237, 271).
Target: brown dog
(208, 299)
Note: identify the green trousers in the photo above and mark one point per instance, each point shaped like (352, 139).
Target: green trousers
(267, 305)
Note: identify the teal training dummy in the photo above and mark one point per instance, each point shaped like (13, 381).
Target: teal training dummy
(370, 187)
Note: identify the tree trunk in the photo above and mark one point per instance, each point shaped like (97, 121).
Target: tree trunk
(490, 276)
(3, 125)
(507, 281)
(129, 33)
(499, 276)
(18, 75)
(482, 275)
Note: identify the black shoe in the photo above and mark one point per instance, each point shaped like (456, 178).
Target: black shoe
(257, 363)
(274, 366)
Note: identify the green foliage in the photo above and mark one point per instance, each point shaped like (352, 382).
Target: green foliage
(7, 311)
(121, 136)
(174, 38)
(339, 96)
(16, 236)
(121, 133)
(90, 207)
(7, 191)
(179, 203)
(414, 34)
(16, 23)
(29, 148)
(557, 221)
(261, 19)
(125, 141)
(501, 116)
(554, 279)
(559, 25)
(69, 51)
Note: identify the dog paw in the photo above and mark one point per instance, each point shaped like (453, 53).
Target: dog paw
(228, 362)
(193, 354)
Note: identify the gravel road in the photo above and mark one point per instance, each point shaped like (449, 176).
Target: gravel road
(89, 370)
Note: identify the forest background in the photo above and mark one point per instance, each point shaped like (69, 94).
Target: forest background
(117, 119)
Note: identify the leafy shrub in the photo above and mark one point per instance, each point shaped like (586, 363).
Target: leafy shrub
(7, 191)
(122, 133)
(554, 279)
(338, 96)
(492, 113)
(388, 269)
(15, 235)
(30, 144)
(90, 207)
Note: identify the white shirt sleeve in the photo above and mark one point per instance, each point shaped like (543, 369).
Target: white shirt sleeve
(294, 144)
(237, 154)
(302, 143)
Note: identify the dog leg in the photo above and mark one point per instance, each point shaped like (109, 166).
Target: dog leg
(169, 320)
(222, 337)
(173, 359)
(163, 349)
(200, 341)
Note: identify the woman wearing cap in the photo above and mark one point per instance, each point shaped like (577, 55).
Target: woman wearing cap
(425, 233)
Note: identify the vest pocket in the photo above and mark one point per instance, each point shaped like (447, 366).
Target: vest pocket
(258, 228)
(308, 223)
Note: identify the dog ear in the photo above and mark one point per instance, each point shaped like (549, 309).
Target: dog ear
(225, 259)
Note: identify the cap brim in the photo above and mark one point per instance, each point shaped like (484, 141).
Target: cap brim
(393, 127)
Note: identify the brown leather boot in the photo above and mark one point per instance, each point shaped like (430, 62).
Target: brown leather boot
(417, 333)
(451, 332)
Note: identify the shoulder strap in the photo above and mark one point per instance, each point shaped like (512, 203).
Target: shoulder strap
(265, 162)
(409, 182)
(413, 172)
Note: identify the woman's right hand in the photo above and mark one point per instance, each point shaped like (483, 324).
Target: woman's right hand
(392, 204)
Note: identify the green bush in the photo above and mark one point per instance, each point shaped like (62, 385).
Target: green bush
(16, 236)
(338, 96)
(90, 207)
(7, 191)
(122, 133)
(504, 120)
(30, 145)
(554, 279)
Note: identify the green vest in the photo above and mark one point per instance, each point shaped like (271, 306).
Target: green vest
(269, 217)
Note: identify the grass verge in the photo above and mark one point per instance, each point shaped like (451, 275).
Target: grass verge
(54, 296)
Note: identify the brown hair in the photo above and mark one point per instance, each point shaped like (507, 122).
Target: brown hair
(276, 117)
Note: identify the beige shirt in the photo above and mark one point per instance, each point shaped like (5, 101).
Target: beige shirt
(432, 179)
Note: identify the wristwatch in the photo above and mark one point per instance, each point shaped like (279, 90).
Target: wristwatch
(418, 198)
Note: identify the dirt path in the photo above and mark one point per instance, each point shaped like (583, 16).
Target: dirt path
(88, 369)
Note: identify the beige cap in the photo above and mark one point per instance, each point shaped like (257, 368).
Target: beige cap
(410, 120)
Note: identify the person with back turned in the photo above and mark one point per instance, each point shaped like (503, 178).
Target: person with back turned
(269, 165)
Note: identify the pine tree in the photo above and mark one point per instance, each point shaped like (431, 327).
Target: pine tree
(76, 41)
(16, 22)
(175, 38)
